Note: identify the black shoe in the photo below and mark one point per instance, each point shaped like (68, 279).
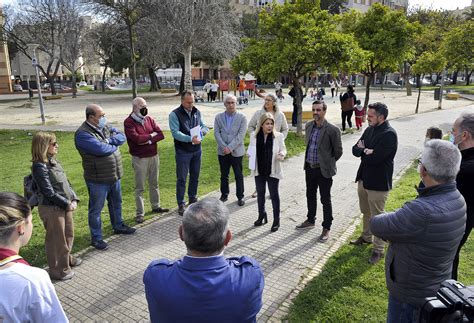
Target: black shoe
(240, 202)
(275, 226)
(125, 229)
(223, 198)
(100, 245)
(262, 219)
(181, 209)
(193, 200)
(160, 210)
(139, 219)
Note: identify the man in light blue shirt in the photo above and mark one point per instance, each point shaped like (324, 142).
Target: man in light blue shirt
(187, 149)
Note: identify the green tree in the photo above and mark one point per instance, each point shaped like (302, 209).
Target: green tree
(295, 39)
(428, 62)
(385, 34)
(458, 48)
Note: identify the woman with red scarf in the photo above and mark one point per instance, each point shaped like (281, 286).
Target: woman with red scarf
(26, 293)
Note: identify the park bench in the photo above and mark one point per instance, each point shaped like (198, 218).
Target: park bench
(53, 97)
(306, 116)
(452, 96)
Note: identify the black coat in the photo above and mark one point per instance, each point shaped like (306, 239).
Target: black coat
(465, 183)
(376, 169)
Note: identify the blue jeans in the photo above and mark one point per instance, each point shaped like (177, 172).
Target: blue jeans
(401, 312)
(187, 162)
(98, 193)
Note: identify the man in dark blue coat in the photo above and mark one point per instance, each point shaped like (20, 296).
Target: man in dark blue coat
(204, 286)
(376, 148)
(424, 234)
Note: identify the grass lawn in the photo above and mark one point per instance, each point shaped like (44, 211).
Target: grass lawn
(349, 289)
(15, 163)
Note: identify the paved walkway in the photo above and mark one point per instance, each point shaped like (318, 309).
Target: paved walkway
(108, 285)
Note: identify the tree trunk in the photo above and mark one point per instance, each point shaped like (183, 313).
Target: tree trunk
(298, 99)
(468, 77)
(382, 81)
(408, 87)
(50, 80)
(188, 83)
(74, 85)
(154, 85)
(370, 78)
(455, 77)
(133, 67)
(102, 84)
(418, 100)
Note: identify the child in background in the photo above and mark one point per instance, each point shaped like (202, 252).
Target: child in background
(433, 133)
(359, 114)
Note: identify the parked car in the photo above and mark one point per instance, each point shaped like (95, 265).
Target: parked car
(57, 86)
(392, 83)
(83, 83)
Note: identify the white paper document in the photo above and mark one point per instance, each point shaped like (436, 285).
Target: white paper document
(196, 131)
(252, 152)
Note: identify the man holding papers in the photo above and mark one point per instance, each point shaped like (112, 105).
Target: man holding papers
(188, 130)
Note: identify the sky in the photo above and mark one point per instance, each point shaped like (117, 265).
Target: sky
(440, 4)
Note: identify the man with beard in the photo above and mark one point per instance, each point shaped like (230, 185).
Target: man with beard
(323, 149)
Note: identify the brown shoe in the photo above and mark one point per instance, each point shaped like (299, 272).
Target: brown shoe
(360, 241)
(305, 225)
(375, 257)
(324, 236)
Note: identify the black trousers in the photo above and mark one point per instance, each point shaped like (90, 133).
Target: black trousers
(261, 183)
(346, 115)
(315, 179)
(294, 116)
(213, 96)
(226, 162)
(454, 274)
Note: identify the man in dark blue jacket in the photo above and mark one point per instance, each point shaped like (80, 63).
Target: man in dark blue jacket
(204, 286)
(98, 144)
(376, 148)
(424, 234)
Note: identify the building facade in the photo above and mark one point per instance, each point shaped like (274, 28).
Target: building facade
(5, 78)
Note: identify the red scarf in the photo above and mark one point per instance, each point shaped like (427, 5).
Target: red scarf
(5, 253)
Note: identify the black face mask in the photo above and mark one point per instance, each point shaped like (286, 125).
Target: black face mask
(143, 111)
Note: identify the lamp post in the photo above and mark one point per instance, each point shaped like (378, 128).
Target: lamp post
(34, 62)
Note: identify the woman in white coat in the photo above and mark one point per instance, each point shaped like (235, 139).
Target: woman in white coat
(266, 151)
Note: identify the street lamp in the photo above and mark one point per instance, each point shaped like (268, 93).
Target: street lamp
(34, 62)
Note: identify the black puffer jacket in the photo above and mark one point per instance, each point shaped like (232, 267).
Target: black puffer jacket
(53, 184)
(424, 236)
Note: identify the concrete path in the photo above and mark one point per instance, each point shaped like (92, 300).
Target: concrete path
(108, 285)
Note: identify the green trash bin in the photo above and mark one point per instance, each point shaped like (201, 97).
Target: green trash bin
(437, 93)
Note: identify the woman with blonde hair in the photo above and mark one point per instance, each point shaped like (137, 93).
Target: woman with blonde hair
(56, 206)
(270, 106)
(266, 151)
(26, 293)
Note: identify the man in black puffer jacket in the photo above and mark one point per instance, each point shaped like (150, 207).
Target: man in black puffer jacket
(463, 137)
(424, 234)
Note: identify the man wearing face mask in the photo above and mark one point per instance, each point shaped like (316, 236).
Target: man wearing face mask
(424, 234)
(143, 134)
(463, 137)
(376, 148)
(98, 144)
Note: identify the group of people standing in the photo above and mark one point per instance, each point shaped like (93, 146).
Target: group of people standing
(426, 233)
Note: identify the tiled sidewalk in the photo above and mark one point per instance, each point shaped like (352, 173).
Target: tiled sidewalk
(108, 285)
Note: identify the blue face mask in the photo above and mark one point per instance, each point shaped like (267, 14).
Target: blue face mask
(102, 122)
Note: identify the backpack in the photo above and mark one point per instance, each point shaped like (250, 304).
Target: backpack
(31, 191)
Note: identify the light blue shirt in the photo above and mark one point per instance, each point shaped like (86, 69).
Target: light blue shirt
(178, 135)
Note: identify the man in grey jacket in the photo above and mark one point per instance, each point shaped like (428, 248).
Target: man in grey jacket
(424, 234)
(229, 129)
(323, 149)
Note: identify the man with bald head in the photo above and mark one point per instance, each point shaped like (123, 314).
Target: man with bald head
(98, 144)
(143, 134)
